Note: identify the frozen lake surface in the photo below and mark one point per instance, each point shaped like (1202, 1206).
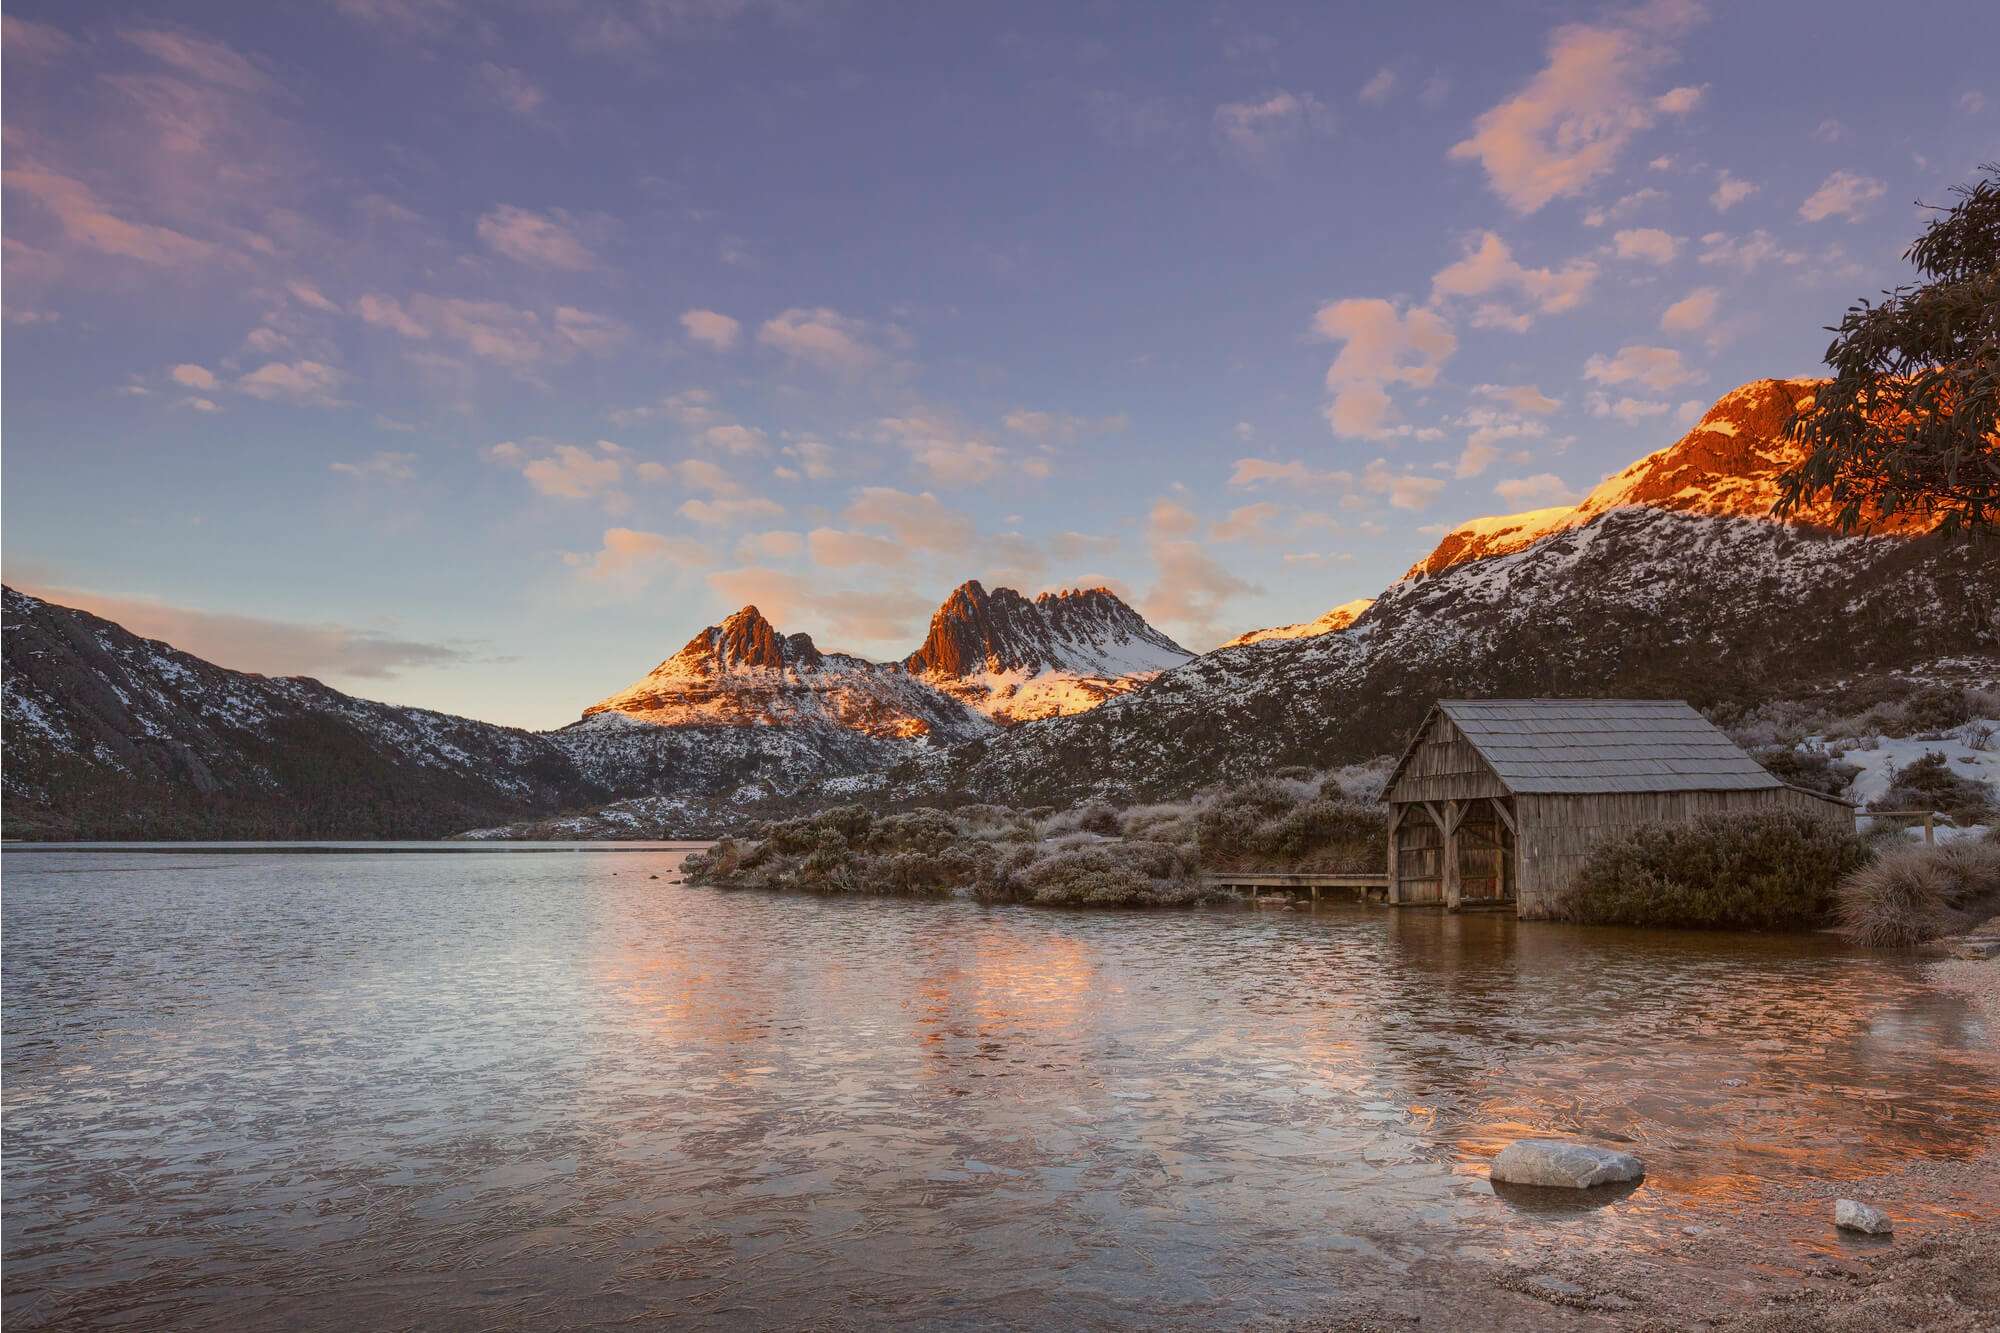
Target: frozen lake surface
(357, 1089)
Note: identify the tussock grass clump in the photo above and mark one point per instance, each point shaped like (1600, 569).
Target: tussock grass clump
(1912, 894)
(1775, 870)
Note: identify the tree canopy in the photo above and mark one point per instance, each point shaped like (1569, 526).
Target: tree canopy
(1907, 425)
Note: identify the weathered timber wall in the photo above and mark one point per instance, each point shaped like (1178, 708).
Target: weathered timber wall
(1419, 860)
(1444, 767)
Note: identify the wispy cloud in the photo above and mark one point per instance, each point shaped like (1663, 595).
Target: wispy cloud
(635, 558)
(825, 339)
(310, 383)
(1843, 194)
(86, 221)
(710, 329)
(1488, 268)
(1381, 346)
(269, 647)
(532, 238)
(1263, 134)
(380, 466)
(1657, 367)
(567, 472)
(1568, 126)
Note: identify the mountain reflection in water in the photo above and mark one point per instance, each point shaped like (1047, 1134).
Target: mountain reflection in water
(341, 1091)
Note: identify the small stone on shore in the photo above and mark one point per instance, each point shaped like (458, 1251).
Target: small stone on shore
(1852, 1215)
(1552, 1162)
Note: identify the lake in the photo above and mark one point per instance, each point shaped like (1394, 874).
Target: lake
(500, 1088)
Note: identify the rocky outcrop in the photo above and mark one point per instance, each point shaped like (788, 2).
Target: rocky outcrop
(1065, 652)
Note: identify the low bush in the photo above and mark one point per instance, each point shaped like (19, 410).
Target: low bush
(1912, 894)
(1929, 784)
(1777, 870)
(1113, 876)
(1937, 708)
(1815, 770)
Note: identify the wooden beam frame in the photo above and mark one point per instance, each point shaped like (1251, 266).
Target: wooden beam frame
(1395, 870)
(1454, 877)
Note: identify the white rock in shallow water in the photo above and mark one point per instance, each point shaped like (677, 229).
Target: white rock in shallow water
(1575, 1166)
(1850, 1215)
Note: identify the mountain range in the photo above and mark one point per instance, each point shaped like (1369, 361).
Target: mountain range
(112, 735)
(1668, 580)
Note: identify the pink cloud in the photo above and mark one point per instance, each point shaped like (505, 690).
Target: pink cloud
(1567, 127)
(532, 238)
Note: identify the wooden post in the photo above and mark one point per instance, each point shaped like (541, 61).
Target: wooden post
(1454, 890)
(1511, 863)
(1395, 896)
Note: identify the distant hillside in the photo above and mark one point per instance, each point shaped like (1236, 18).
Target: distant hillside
(109, 735)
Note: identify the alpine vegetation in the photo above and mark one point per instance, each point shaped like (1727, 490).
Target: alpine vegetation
(1091, 855)
(1914, 894)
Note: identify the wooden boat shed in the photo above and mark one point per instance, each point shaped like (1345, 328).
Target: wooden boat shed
(1499, 800)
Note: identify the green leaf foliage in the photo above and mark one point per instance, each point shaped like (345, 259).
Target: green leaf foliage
(1907, 426)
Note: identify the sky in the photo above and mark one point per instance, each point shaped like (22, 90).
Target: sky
(477, 355)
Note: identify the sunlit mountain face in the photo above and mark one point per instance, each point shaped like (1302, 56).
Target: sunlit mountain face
(473, 356)
(989, 658)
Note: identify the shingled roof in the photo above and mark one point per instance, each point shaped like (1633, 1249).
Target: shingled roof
(1603, 745)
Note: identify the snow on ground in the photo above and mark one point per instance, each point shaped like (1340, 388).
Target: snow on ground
(1972, 751)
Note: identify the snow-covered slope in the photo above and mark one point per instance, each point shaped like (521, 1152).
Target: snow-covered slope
(1337, 619)
(1727, 466)
(1015, 660)
(743, 673)
(1642, 602)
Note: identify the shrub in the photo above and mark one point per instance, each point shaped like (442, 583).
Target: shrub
(1936, 708)
(1913, 894)
(1090, 817)
(1774, 870)
(851, 822)
(1354, 835)
(1084, 879)
(1815, 770)
(1131, 875)
(923, 830)
(1160, 823)
(1929, 784)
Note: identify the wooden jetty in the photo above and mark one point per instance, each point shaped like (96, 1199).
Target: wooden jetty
(1359, 887)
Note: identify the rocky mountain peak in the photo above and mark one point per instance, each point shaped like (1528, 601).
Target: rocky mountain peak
(979, 632)
(744, 640)
(975, 630)
(1014, 660)
(1726, 466)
